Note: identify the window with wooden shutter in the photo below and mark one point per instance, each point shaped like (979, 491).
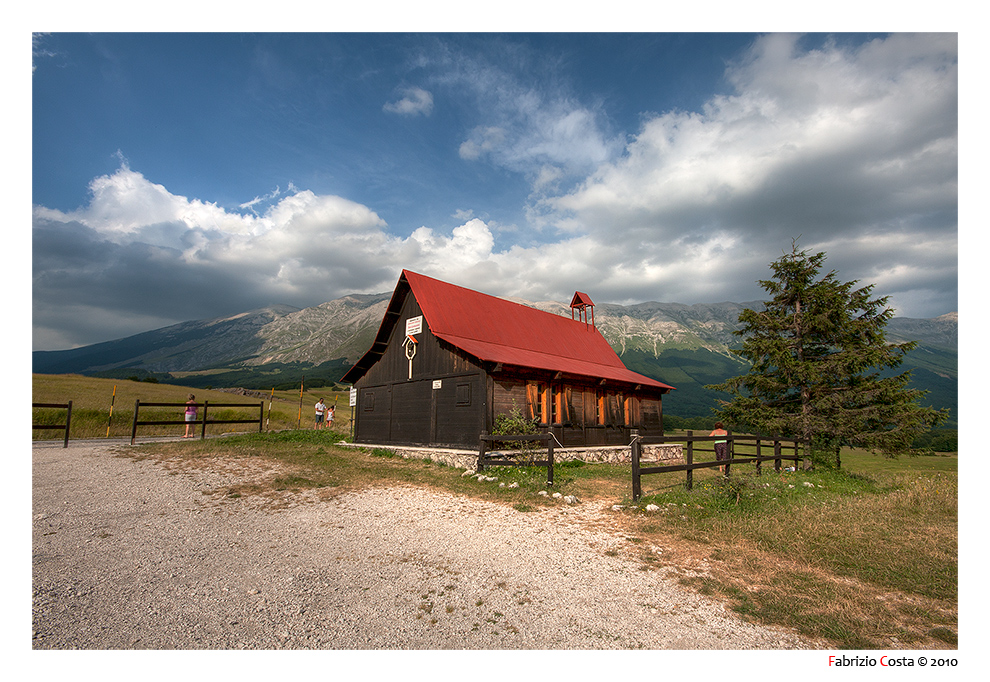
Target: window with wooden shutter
(630, 411)
(566, 406)
(532, 400)
(590, 404)
(538, 404)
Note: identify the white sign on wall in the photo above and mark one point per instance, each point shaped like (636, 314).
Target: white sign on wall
(414, 325)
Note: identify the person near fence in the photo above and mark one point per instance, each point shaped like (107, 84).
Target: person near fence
(190, 416)
(721, 446)
(321, 408)
(330, 414)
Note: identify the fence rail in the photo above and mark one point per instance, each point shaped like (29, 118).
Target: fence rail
(206, 405)
(776, 445)
(68, 419)
(486, 459)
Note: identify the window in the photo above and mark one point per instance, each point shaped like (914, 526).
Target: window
(538, 402)
(629, 410)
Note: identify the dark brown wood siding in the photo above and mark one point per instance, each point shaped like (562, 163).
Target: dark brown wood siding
(444, 403)
(451, 398)
(587, 414)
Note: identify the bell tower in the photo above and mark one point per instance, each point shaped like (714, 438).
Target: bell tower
(581, 304)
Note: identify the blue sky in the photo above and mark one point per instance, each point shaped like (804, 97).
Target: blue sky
(188, 176)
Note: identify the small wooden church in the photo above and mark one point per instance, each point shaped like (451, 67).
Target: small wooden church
(448, 360)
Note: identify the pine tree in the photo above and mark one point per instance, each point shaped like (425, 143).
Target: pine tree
(818, 349)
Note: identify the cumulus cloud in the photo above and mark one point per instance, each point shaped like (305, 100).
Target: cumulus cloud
(523, 128)
(414, 101)
(851, 149)
(146, 258)
(838, 146)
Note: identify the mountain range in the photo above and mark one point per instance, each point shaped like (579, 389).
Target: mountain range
(686, 346)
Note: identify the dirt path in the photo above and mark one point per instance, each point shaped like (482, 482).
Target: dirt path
(130, 554)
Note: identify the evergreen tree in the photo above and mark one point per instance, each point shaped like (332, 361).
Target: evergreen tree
(818, 349)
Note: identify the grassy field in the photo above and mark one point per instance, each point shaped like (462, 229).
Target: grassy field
(865, 557)
(91, 401)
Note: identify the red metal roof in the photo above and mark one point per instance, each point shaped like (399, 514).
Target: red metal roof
(496, 330)
(581, 299)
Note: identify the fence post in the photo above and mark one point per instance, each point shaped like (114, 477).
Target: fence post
(690, 459)
(550, 460)
(137, 406)
(730, 450)
(206, 406)
(481, 452)
(261, 416)
(68, 420)
(759, 451)
(637, 450)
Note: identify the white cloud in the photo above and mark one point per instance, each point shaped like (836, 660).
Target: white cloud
(522, 128)
(415, 101)
(126, 203)
(483, 140)
(138, 252)
(854, 150)
(832, 139)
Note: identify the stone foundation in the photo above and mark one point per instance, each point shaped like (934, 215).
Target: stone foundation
(468, 459)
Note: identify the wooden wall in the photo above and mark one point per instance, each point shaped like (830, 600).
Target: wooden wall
(592, 416)
(443, 404)
(450, 398)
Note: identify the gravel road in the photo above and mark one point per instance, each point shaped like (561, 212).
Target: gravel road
(132, 554)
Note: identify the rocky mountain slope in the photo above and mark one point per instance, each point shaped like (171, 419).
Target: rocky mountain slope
(683, 345)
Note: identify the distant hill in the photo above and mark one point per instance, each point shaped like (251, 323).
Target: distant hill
(686, 346)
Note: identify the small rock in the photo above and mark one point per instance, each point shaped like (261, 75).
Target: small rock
(617, 507)
(513, 485)
(556, 496)
(652, 508)
(570, 499)
(542, 492)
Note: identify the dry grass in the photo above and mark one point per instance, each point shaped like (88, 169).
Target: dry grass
(866, 562)
(92, 397)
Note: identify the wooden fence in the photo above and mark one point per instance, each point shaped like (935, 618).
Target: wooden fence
(513, 459)
(68, 419)
(759, 444)
(203, 421)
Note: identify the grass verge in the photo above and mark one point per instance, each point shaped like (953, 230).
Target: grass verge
(865, 560)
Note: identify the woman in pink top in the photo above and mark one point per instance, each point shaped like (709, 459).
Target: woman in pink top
(190, 415)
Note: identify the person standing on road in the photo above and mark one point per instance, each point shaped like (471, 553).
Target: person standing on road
(721, 446)
(320, 409)
(190, 415)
